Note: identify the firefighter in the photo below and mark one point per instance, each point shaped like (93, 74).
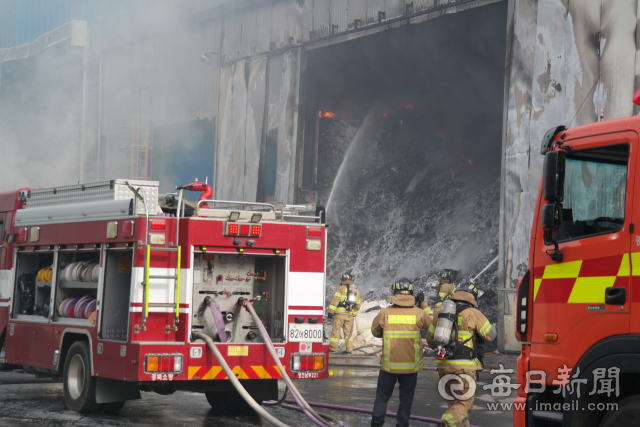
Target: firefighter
(399, 325)
(447, 287)
(344, 305)
(459, 356)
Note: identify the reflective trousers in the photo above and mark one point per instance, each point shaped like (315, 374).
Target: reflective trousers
(342, 322)
(461, 400)
(386, 384)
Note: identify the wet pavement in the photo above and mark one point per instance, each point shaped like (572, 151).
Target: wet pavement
(27, 401)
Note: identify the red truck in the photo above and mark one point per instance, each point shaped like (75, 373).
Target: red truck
(103, 286)
(578, 305)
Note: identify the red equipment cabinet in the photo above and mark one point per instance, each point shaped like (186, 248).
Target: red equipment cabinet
(577, 307)
(147, 293)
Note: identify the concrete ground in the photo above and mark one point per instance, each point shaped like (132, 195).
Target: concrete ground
(27, 401)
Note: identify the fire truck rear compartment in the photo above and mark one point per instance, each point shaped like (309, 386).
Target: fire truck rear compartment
(228, 279)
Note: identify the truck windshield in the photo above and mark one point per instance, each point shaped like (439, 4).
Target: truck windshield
(594, 192)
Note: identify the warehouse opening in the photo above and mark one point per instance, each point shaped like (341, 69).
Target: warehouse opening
(402, 144)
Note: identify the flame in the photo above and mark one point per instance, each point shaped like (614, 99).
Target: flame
(329, 115)
(400, 122)
(470, 162)
(453, 174)
(409, 107)
(384, 115)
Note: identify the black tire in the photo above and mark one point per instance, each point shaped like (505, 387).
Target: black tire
(79, 385)
(627, 414)
(113, 406)
(229, 402)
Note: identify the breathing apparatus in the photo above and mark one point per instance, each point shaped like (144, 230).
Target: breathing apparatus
(352, 292)
(446, 335)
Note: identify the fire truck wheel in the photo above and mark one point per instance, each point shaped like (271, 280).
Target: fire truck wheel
(79, 385)
(228, 402)
(113, 406)
(627, 414)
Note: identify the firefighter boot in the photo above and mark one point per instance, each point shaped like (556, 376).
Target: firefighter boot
(376, 424)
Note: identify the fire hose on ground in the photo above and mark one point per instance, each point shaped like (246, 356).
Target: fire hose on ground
(303, 405)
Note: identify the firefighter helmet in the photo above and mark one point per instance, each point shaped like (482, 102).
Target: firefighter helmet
(466, 286)
(402, 286)
(346, 278)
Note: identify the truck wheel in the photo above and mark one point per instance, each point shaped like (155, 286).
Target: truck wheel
(228, 402)
(627, 414)
(79, 385)
(113, 406)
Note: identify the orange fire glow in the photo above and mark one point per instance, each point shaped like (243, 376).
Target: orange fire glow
(384, 115)
(470, 162)
(401, 122)
(329, 115)
(453, 174)
(409, 107)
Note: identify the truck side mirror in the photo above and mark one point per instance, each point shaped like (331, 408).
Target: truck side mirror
(551, 217)
(550, 221)
(553, 171)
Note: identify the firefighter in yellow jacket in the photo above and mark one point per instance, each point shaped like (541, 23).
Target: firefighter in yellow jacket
(399, 327)
(458, 357)
(344, 305)
(447, 287)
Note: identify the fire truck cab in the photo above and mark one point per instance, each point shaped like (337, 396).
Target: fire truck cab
(104, 285)
(578, 305)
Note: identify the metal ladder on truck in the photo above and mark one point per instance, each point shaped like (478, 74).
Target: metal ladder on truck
(147, 267)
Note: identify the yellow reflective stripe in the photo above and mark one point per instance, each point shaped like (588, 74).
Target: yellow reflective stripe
(334, 339)
(358, 301)
(432, 329)
(590, 289)
(332, 307)
(448, 420)
(536, 287)
(400, 319)
(350, 338)
(565, 270)
(341, 310)
(338, 294)
(442, 294)
(376, 333)
(635, 263)
(401, 334)
(402, 366)
(474, 362)
(464, 334)
(486, 328)
(625, 268)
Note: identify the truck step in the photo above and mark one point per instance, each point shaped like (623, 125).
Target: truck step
(173, 277)
(549, 416)
(161, 304)
(154, 249)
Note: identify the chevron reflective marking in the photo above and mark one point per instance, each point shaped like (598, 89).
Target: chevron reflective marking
(242, 372)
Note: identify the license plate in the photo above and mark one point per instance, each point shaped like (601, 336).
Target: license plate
(304, 332)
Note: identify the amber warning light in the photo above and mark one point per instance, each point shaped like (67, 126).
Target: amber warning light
(239, 229)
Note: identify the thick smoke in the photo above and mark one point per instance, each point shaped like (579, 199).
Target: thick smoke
(42, 98)
(409, 168)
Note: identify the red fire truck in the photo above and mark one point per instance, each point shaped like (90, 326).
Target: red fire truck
(104, 285)
(578, 305)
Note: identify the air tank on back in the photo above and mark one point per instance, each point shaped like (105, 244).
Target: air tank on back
(444, 326)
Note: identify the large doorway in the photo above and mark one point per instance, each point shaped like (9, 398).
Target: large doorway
(402, 145)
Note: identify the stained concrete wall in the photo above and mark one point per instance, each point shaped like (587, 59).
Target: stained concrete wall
(557, 51)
